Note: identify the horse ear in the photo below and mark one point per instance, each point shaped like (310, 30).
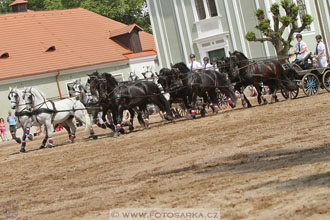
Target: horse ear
(230, 53)
(10, 88)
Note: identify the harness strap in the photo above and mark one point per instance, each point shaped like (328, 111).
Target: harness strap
(46, 110)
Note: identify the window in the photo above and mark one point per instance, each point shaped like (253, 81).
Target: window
(206, 9)
(302, 10)
(200, 9)
(212, 8)
(69, 86)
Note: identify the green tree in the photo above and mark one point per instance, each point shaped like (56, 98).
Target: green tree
(276, 36)
(125, 11)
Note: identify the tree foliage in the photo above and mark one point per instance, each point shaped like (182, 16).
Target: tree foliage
(275, 35)
(125, 11)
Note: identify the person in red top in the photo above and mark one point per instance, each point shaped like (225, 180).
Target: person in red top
(4, 136)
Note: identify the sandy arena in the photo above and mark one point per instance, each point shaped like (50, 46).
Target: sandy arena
(265, 162)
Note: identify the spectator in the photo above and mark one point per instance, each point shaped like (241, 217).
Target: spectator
(11, 119)
(4, 136)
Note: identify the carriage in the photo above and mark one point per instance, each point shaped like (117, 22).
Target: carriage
(308, 77)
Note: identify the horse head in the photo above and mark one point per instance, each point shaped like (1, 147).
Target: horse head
(182, 67)
(15, 97)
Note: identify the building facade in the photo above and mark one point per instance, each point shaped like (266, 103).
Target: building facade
(50, 49)
(212, 28)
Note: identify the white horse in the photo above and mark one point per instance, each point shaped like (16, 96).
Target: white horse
(22, 113)
(49, 113)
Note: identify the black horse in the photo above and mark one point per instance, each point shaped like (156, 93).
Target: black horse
(128, 95)
(244, 72)
(192, 84)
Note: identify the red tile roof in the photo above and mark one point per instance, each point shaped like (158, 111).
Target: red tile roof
(141, 54)
(80, 38)
(18, 2)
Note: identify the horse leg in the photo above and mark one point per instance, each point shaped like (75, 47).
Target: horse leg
(140, 118)
(214, 101)
(23, 139)
(71, 128)
(146, 117)
(260, 95)
(131, 120)
(119, 120)
(193, 105)
(49, 133)
(245, 100)
(163, 105)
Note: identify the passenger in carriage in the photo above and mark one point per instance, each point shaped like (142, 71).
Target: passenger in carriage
(300, 49)
(214, 64)
(320, 54)
(194, 65)
(206, 65)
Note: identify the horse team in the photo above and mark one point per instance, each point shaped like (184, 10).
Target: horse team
(106, 99)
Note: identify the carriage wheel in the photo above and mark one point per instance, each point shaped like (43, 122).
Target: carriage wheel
(289, 94)
(310, 84)
(222, 101)
(326, 80)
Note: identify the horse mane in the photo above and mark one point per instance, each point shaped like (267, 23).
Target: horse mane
(165, 71)
(240, 54)
(110, 78)
(182, 67)
(34, 91)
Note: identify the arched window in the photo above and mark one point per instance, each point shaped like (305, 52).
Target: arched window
(206, 9)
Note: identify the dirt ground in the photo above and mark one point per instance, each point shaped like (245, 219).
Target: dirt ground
(265, 162)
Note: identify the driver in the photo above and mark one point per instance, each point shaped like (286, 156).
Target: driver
(300, 48)
(194, 65)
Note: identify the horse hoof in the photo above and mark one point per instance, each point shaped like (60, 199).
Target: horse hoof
(131, 128)
(30, 137)
(117, 134)
(265, 102)
(122, 131)
(50, 146)
(94, 137)
(42, 147)
(18, 140)
(22, 150)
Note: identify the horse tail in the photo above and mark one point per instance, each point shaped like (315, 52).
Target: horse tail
(286, 79)
(87, 121)
(88, 124)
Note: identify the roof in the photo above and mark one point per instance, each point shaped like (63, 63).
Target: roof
(73, 38)
(126, 30)
(16, 2)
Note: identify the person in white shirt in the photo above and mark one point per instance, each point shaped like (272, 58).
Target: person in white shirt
(206, 65)
(300, 48)
(320, 52)
(194, 65)
(214, 64)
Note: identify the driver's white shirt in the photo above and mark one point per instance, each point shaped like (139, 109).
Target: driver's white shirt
(207, 66)
(302, 46)
(194, 65)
